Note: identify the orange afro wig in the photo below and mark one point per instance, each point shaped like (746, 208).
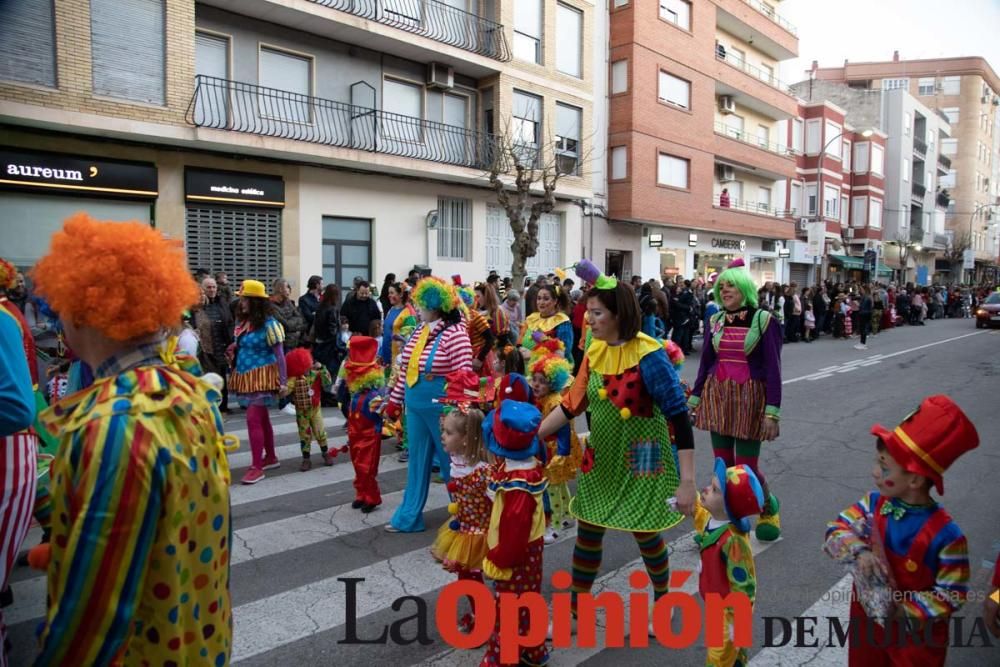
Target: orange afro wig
(123, 279)
(8, 274)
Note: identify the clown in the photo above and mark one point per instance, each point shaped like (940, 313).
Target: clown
(481, 335)
(737, 394)
(364, 378)
(306, 381)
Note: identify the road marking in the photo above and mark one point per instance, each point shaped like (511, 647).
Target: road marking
(813, 378)
(281, 428)
(848, 369)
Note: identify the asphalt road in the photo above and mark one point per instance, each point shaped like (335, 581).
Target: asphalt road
(296, 534)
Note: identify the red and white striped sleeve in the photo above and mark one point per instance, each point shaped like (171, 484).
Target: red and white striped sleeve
(454, 352)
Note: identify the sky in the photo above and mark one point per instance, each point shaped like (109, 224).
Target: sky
(870, 30)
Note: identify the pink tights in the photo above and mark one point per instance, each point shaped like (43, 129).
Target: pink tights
(261, 435)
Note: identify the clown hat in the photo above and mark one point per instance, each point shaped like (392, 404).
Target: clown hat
(362, 368)
(737, 263)
(253, 289)
(741, 492)
(511, 430)
(8, 274)
(514, 386)
(461, 388)
(930, 439)
(456, 280)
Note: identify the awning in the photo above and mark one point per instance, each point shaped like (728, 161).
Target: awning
(849, 262)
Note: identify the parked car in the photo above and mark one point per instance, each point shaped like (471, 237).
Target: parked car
(988, 312)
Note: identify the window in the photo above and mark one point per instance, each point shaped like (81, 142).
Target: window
(737, 57)
(831, 198)
(845, 156)
(951, 85)
(672, 171)
(877, 159)
(951, 113)
(906, 170)
(403, 98)
(527, 112)
(127, 49)
(211, 55)
(766, 73)
(907, 124)
(764, 200)
(677, 12)
(861, 157)
(27, 42)
(619, 162)
(734, 126)
(875, 213)
(810, 199)
(949, 146)
(569, 121)
(454, 229)
(843, 210)
(813, 131)
(621, 3)
(925, 86)
(796, 202)
(675, 91)
(569, 40)
(859, 206)
(286, 72)
(894, 84)
(528, 30)
(797, 135)
(763, 136)
(832, 138)
(948, 181)
(619, 77)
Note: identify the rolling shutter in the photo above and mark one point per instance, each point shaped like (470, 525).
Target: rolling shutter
(243, 242)
(27, 42)
(127, 44)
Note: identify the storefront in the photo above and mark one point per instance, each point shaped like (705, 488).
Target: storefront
(233, 223)
(847, 268)
(692, 255)
(39, 190)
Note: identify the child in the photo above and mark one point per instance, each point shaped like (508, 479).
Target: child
(809, 323)
(909, 559)
(363, 375)
(461, 542)
(517, 521)
(652, 325)
(722, 521)
(375, 331)
(847, 308)
(306, 381)
(506, 362)
(838, 317)
(550, 375)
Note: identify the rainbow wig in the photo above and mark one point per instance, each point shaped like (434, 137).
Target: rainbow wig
(8, 275)
(372, 377)
(557, 371)
(741, 280)
(123, 279)
(432, 293)
(466, 294)
(675, 354)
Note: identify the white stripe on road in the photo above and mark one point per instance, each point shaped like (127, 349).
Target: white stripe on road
(819, 377)
(290, 454)
(280, 428)
(848, 369)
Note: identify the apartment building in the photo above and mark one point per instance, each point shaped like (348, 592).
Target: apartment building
(292, 137)
(967, 92)
(695, 159)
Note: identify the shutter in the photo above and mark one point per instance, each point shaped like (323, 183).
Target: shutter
(211, 55)
(127, 46)
(27, 42)
(799, 273)
(243, 242)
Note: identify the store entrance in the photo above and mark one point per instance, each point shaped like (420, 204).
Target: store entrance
(707, 263)
(618, 263)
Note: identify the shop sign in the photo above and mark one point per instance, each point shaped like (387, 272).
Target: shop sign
(233, 187)
(730, 244)
(71, 174)
(968, 259)
(656, 240)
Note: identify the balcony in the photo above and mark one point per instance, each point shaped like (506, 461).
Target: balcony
(757, 73)
(919, 190)
(919, 146)
(759, 23)
(432, 19)
(743, 137)
(944, 161)
(243, 107)
(757, 208)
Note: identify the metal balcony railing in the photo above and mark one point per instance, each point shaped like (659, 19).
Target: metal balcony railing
(919, 146)
(432, 19)
(919, 190)
(755, 72)
(752, 140)
(944, 161)
(245, 107)
(757, 208)
(769, 11)
(916, 234)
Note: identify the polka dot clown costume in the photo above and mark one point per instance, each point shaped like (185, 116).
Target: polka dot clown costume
(138, 571)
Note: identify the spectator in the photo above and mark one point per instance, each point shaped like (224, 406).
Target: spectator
(532, 294)
(225, 289)
(309, 302)
(214, 322)
(819, 305)
(360, 309)
(636, 284)
(326, 333)
(662, 302)
(511, 306)
(383, 296)
(494, 280)
(288, 314)
(865, 317)
(724, 198)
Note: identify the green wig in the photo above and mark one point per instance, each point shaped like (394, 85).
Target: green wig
(739, 278)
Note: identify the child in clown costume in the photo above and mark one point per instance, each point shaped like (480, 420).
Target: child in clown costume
(365, 379)
(517, 521)
(460, 545)
(721, 520)
(306, 381)
(909, 559)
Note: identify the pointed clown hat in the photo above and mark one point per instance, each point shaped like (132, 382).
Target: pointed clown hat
(514, 386)
(461, 389)
(741, 492)
(511, 431)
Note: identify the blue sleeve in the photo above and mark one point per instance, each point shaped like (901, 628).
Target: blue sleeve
(662, 383)
(564, 332)
(366, 409)
(17, 402)
(563, 441)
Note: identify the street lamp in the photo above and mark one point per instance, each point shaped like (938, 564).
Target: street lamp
(820, 203)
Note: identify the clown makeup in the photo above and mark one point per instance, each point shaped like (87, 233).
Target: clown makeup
(713, 500)
(539, 385)
(545, 303)
(603, 324)
(890, 477)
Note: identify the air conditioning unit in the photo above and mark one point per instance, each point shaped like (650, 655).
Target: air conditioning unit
(849, 233)
(726, 173)
(803, 224)
(440, 76)
(727, 104)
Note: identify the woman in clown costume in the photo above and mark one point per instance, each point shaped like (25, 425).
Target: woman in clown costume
(628, 472)
(737, 394)
(549, 321)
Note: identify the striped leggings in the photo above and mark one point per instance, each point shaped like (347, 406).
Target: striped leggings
(17, 497)
(589, 549)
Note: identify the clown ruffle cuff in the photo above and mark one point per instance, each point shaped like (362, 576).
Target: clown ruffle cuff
(770, 412)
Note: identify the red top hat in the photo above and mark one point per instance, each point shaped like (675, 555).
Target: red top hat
(741, 491)
(457, 279)
(461, 388)
(930, 439)
(362, 353)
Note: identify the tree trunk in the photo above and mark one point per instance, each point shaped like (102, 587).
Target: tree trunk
(517, 269)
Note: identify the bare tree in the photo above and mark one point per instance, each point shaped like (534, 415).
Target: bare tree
(960, 241)
(524, 178)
